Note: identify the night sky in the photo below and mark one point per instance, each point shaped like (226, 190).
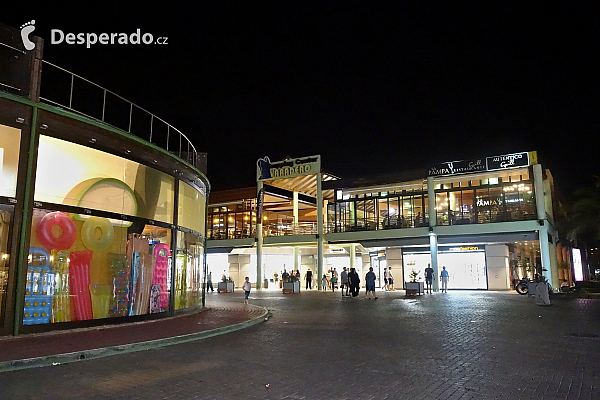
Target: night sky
(374, 87)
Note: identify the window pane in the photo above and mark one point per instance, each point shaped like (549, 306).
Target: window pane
(93, 269)
(189, 270)
(75, 175)
(10, 140)
(6, 213)
(191, 208)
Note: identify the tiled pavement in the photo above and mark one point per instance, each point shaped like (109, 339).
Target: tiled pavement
(460, 345)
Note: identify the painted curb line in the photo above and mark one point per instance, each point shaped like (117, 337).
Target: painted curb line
(67, 358)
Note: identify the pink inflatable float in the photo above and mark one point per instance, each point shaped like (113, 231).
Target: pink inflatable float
(161, 253)
(79, 270)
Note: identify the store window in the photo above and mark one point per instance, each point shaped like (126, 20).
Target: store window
(75, 175)
(10, 139)
(191, 208)
(6, 213)
(189, 270)
(95, 268)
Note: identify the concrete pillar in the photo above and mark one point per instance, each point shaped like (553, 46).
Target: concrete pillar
(352, 256)
(431, 202)
(295, 206)
(259, 241)
(296, 261)
(320, 234)
(538, 184)
(434, 261)
(545, 253)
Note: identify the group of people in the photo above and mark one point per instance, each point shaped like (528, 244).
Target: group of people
(388, 279)
(429, 279)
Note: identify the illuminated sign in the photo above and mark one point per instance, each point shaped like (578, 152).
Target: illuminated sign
(291, 168)
(493, 163)
(464, 248)
(577, 265)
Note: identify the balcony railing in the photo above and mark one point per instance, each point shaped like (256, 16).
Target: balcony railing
(72, 92)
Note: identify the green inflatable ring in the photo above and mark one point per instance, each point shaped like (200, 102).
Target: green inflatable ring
(88, 233)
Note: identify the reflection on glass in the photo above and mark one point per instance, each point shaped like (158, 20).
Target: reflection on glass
(189, 270)
(5, 223)
(10, 140)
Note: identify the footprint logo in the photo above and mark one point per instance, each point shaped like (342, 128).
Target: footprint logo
(26, 29)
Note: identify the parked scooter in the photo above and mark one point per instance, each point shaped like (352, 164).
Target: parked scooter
(522, 287)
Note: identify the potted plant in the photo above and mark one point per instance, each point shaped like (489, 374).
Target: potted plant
(226, 286)
(291, 284)
(414, 287)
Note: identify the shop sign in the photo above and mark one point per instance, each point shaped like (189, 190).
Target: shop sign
(463, 249)
(507, 161)
(259, 204)
(493, 163)
(291, 168)
(457, 167)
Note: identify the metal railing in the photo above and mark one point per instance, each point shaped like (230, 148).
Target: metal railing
(183, 146)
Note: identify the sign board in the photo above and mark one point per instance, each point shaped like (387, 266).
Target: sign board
(290, 168)
(259, 204)
(493, 163)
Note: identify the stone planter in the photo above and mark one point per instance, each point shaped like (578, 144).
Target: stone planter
(414, 288)
(291, 287)
(225, 287)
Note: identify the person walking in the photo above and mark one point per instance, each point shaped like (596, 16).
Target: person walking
(354, 281)
(370, 283)
(444, 278)
(390, 278)
(308, 278)
(247, 286)
(428, 277)
(344, 281)
(324, 283)
(209, 284)
(333, 281)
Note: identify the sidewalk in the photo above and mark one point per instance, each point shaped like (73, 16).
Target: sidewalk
(57, 347)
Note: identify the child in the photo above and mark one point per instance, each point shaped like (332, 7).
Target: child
(246, 286)
(324, 282)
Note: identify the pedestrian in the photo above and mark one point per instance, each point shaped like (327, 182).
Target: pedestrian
(354, 281)
(246, 286)
(385, 279)
(328, 278)
(344, 281)
(390, 278)
(428, 277)
(333, 281)
(444, 278)
(334, 274)
(370, 283)
(324, 282)
(209, 284)
(308, 278)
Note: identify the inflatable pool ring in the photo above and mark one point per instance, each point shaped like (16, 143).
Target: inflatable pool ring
(88, 233)
(44, 231)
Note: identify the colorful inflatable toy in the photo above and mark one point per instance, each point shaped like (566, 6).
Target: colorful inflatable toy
(69, 232)
(90, 238)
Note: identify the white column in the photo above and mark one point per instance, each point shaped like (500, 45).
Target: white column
(434, 261)
(320, 236)
(538, 182)
(545, 253)
(295, 206)
(259, 242)
(431, 202)
(432, 236)
(352, 256)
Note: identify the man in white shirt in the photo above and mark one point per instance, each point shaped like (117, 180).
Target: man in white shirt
(390, 278)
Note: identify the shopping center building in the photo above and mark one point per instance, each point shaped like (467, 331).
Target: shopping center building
(489, 221)
(103, 204)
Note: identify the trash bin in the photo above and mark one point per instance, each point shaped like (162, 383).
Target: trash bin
(266, 284)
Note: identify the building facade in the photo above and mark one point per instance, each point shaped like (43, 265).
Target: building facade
(489, 221)
(100, 224)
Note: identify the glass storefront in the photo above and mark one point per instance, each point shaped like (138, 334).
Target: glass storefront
(465, 265)
(101, 245)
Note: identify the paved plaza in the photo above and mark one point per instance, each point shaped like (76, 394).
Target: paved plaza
(460, 345)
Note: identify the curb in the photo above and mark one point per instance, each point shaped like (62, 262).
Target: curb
(67, 358)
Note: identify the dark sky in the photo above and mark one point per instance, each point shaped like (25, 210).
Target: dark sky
(374, 87)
